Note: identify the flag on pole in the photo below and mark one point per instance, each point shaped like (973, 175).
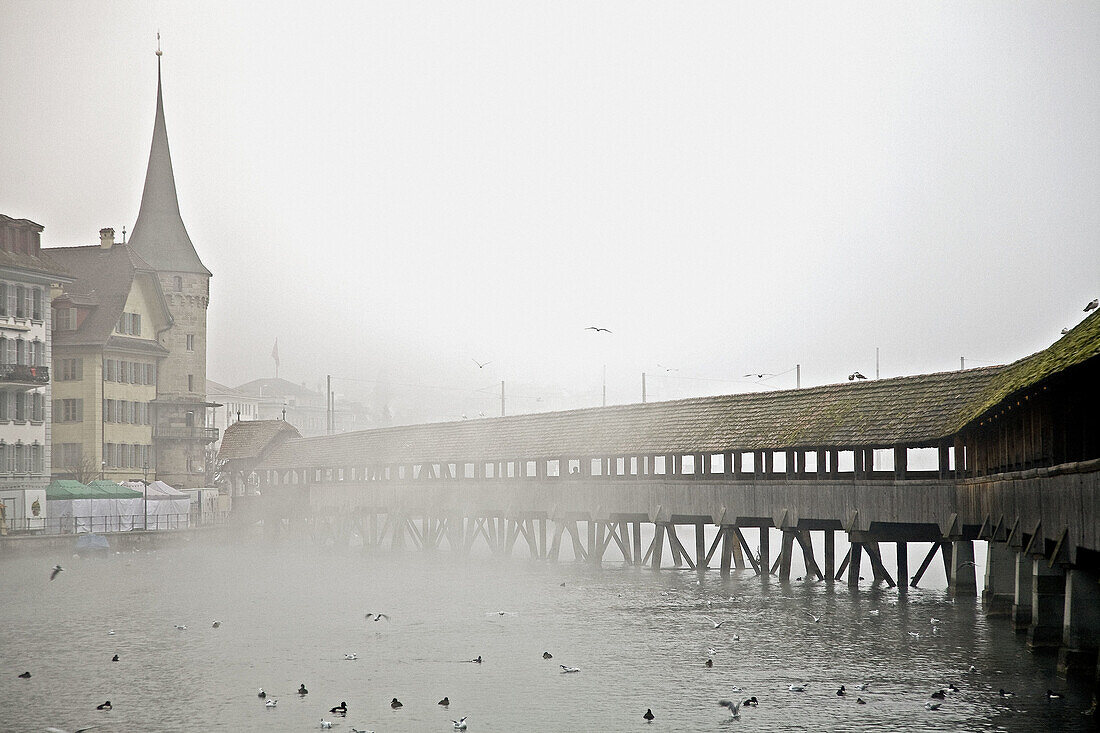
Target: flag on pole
(275, 356)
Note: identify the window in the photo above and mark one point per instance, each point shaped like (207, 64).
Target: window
(20, 301)
(130, 324)
(190, 342)
(11, 458)
(71, 453)
(190, 382)
(150, 374)
(38, 408)
(5, 411)
(70, 370)
(177, 283)
(20, 351)
(4, 299)
(20, 406)
(36, 304)
(71, 410)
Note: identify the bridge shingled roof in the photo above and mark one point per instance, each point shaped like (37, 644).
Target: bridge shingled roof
(913, 411)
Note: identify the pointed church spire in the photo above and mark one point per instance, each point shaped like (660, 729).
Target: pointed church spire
(159, 235)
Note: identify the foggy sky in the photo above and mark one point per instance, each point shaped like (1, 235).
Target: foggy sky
(395, 189)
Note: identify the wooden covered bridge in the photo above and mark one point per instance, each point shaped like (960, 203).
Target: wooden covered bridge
(1009, 455)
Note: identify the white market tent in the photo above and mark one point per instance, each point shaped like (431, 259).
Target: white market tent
(165, 507)
(101, 506)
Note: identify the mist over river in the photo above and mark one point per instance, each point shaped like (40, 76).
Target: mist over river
(290, 614)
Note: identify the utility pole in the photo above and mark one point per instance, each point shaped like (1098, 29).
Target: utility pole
(962, 363)
(798, 376)
(643, 388)
(876, 362)
(328, 405)
(502, 398)
(605, 385)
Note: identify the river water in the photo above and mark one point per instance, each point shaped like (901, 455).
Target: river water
(289, 615)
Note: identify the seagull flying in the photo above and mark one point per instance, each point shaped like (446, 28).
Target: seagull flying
(855, 375)
(78, 730)
(597, 329)
(56, 569)
(481, 364)
(377, 617)
(717, 624)
(817, 619)
(760, 376)
(733, 707)
(1093, 305)
(460, 724)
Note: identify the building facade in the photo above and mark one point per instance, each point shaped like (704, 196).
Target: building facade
(107, 359)
(28, 279)
(233, 406)
(184, 458)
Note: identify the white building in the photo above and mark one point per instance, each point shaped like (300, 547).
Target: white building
(233, 406)
(28, 280)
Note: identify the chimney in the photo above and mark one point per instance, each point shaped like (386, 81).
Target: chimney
(106, 238)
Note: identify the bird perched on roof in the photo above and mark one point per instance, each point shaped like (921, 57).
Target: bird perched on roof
(855, 375)
(56, 569)
(1093, 305)
(1065, 331)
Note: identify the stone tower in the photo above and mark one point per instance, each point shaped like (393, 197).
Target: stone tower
(179, 434)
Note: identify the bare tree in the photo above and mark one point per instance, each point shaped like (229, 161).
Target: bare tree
(84, 470)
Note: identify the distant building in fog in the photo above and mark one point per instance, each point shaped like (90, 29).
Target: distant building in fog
(27, 279)
(305, 409)
(235, 406)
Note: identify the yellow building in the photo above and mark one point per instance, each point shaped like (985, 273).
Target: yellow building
(106, 357)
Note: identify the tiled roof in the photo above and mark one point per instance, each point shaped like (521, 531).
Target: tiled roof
(1081, 344)
(103, 278)
(41, 265)
(912, 411)
(249, 439)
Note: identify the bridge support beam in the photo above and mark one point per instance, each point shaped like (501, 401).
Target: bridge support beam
(785, 555)
(963, 578)
(830, 550)
(1021, 593)
(1048, 606)
(1081, 627)
(637, 543)
(765, 558)
(854, 563)
(903, 566)
(658, 545)
(1000, 567)
(728, 543)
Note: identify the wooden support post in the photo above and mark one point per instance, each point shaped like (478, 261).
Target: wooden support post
(946, 551)
(575, 535)
(924, 565)
(901, 462)
(638, 543)
(903, 566)
(777, 563)
(590, 550)
(805, 541)
(674, 541)
(725, 533)
(764, 558)
(881, 573)
(843, 564)
(713, 547)
(748, 551)
(702, 559)
(830, 555)
(555, 548)
(621, 537)
(658, 544)
(785, 555)
(854, 563)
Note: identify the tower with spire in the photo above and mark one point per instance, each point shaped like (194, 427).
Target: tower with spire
(160, 238)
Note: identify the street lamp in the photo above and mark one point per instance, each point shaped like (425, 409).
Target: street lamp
(145, 493)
